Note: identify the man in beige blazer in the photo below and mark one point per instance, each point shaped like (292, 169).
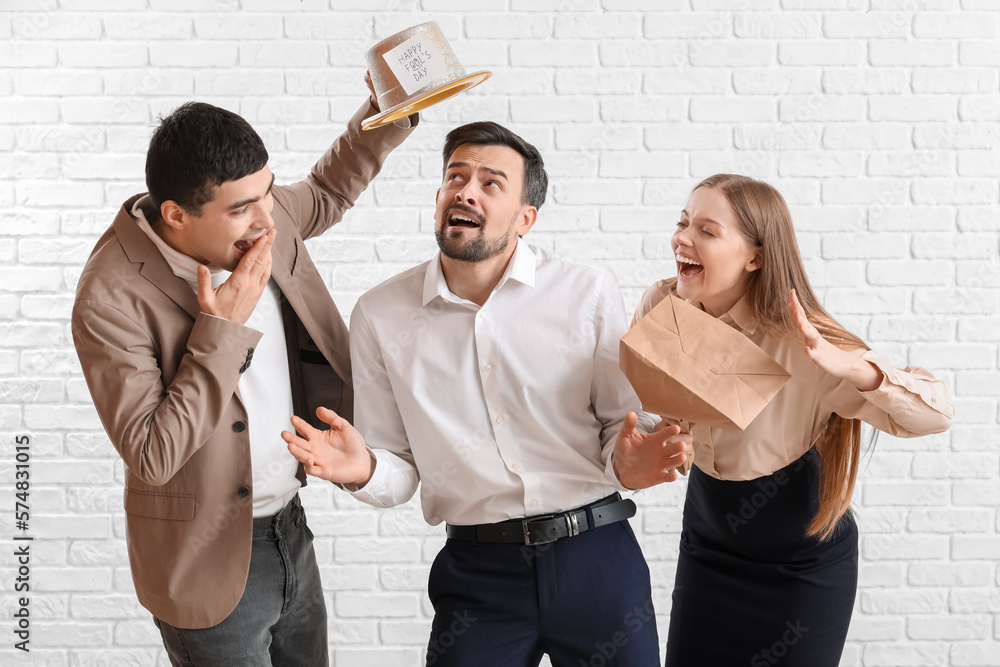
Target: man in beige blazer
(202, 325)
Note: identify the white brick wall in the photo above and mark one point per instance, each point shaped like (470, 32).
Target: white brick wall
(878, 119)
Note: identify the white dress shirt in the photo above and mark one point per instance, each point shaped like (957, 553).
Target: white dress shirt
(501, 411)
(265, 387)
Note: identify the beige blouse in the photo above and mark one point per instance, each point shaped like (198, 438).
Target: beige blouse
(909, 402)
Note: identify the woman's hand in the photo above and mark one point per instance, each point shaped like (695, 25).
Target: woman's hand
(830, 358)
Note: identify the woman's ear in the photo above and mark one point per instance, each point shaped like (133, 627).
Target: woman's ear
(756, 261)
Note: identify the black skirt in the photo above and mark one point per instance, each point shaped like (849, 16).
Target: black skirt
(752, 590)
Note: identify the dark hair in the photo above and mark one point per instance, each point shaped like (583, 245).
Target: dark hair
(487, 133)
(196, 148)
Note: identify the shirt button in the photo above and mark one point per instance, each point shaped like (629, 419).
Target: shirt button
(533, 503)
(239, 426)
(500, 419)
(243, 492)
(488, 367)
(513, 466)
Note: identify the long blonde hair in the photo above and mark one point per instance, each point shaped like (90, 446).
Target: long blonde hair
(766, 222)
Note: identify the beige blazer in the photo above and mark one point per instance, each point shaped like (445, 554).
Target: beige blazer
(164, 377)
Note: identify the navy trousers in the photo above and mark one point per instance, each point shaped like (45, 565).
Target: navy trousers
(584, 600)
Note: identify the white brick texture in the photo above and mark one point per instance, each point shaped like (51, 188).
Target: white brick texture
(879, 120)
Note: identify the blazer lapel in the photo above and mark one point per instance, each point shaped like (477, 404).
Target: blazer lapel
(281, 272)
(290, 276)
(140, 250)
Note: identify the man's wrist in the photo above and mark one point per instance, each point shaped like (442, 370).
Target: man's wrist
(372, 463)
(614, 469)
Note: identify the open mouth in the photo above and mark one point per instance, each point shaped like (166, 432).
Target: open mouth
(687, 267)
(463, 218)
(243, 245)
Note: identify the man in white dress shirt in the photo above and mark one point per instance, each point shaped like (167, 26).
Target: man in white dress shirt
(490, 374)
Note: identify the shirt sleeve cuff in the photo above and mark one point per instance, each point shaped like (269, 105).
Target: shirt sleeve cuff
(371, 492)
(611, 476)
(891, 393)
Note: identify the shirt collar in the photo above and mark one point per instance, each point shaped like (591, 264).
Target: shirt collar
(740, 316)
(520, 268)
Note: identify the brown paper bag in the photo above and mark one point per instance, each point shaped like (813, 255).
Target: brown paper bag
(685, 364)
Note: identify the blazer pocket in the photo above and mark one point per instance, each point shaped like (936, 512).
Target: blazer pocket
(294, 259)
(170, 506)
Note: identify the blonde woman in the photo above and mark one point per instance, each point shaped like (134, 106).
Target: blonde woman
(767, 572)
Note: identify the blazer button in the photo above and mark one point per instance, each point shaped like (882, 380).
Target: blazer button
(239, 426)
(243, 492)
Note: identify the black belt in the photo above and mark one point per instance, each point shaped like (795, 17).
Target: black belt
(549, 527)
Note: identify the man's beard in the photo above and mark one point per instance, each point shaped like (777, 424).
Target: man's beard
(478, 249)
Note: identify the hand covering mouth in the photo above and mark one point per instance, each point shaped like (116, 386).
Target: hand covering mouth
(460, 216)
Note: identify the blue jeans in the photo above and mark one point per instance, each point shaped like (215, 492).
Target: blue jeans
(281, 618)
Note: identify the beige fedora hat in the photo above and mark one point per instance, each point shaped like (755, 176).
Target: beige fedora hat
(412, 70)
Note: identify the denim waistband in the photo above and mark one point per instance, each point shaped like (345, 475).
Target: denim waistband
(290, 514)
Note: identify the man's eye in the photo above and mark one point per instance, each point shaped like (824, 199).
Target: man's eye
(494, 184)
(241, 211)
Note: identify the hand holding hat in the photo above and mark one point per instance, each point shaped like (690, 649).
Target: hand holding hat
(412, 70)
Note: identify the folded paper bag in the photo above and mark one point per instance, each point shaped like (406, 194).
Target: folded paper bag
(685, 364)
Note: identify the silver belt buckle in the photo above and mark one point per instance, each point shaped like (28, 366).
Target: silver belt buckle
(572, 527)
(527, 531)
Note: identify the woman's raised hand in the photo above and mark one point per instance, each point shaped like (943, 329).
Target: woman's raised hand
(833, 360)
